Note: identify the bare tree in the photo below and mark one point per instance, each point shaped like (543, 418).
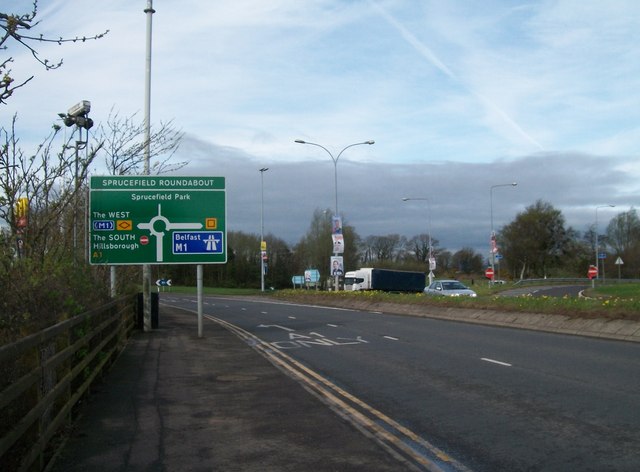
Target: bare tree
(383, 249)
(124, 145)
(12, 27)
(49, 181)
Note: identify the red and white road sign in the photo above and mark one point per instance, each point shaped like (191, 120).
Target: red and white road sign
(144, 240)
(592, 272)
(489, 273)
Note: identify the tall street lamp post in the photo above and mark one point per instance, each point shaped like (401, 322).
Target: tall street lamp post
(335, 174)
(432, 262)
(146, 268)
(493, 245)
(593, 280)
(263, 247)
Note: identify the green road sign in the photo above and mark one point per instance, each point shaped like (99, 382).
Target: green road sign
(157, 220)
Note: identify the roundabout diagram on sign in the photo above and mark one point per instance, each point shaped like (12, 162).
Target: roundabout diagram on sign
(159, 235)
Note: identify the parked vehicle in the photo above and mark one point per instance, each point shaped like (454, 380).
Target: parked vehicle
(386, 280)
(449, 288)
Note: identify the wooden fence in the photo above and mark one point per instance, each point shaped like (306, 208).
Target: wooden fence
(45, 375)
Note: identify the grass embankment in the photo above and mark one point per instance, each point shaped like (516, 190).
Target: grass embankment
(608, 302)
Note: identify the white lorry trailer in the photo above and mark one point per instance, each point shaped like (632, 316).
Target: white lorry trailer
(386, 280)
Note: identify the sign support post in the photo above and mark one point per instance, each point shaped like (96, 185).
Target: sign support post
(199, 277)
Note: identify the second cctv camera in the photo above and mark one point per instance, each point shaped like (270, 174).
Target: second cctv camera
(80, 108)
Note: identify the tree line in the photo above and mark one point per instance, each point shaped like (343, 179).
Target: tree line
(536, 244)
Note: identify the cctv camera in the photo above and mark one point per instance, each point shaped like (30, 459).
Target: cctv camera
(80, 108)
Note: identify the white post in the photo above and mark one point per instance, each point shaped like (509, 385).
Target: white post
(146, 268)
(199, 278)
(113, 281)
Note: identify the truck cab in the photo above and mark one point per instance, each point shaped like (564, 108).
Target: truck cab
(349, 280)
(357, 280)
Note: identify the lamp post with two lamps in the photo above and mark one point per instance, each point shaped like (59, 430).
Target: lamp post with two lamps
(432, 261)
(335, 174)
(493, 244)
(263, 244)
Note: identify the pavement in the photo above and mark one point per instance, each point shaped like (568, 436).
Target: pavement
(176, 402)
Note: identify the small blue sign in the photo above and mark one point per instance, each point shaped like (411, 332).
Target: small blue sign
(602, 255)
(104, 225)
(197, 242)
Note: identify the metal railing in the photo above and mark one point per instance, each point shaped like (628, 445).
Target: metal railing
(43, 377)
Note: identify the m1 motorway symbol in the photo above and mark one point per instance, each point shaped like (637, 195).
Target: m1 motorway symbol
(157, 220)
(489, 273)
(104, 225)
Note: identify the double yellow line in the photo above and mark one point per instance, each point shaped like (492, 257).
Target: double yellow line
(415, 452)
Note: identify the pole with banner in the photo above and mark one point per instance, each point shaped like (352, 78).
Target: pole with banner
(338, 249)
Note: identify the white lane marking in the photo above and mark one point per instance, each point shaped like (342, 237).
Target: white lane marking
(275, 326)
(263, 312)
(292, 318)
(493, 361)
(332, 325)
(391, 337)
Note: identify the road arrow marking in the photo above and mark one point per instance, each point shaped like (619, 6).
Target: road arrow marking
(275, 326)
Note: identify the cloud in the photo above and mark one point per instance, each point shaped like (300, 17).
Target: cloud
(370, 193)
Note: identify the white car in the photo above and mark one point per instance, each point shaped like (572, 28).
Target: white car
(449, 288)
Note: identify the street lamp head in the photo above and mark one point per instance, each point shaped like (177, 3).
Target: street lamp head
(264, 169)
(405, 199)
(370, 142)
(514, 184)
(300, 141)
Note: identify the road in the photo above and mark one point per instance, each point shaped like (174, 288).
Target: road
(478, 397)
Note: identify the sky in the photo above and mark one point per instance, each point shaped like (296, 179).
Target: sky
(462, 98)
